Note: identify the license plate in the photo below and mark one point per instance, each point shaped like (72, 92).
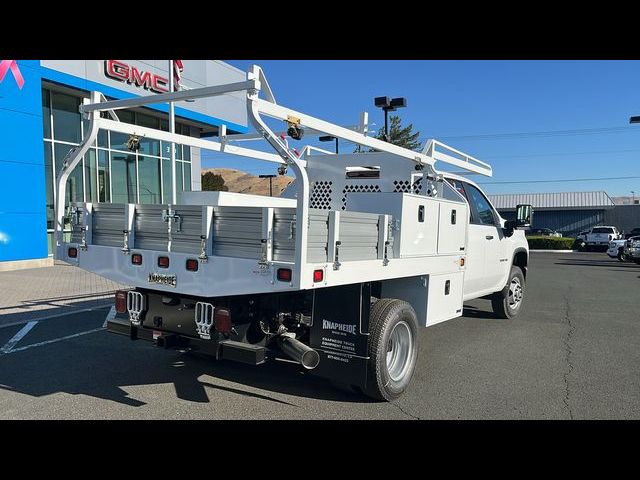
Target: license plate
(169, 280)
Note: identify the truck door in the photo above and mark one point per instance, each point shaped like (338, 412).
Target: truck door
(486, 259)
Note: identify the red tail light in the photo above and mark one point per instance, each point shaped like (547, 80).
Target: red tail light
(72, 252)
(192, 265)
(222, 320)
(163, 262)
(121, 301)
(284, 274)
(318, 275)
(136, 259)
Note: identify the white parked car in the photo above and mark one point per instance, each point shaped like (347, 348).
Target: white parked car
(620, 248)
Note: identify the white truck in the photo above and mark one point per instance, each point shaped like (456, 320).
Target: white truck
(338, 274)
(600, 236)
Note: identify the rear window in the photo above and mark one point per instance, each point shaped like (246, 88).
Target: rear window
(602, 230)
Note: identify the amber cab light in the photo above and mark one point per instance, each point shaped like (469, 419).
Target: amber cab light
(136, 259)
(72, 252)
(121, 301)
(284, 274)
(192, 265)
(163, 262)
(318, 275)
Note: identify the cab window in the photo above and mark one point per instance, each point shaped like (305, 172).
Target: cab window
(482, 210)
(457, 184)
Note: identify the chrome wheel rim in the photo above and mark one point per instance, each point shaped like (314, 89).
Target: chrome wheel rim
(515, 293)
(399, 351)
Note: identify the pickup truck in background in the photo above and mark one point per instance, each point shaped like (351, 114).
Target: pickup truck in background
(600, 236)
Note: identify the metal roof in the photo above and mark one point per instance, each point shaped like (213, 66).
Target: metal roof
(550, 201)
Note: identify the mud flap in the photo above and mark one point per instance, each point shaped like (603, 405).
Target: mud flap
(340, 331)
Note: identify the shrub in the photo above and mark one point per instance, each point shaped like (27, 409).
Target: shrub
(551, 243)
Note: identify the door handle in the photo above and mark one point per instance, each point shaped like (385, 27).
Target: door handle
(489, 237)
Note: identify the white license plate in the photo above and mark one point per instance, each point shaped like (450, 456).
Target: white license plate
(168, 279)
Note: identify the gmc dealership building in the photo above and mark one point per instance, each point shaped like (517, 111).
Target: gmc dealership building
(40, 123)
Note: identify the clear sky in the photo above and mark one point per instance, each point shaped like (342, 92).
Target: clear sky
(479, 107)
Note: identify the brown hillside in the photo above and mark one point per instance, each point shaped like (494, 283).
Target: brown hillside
(243, 182)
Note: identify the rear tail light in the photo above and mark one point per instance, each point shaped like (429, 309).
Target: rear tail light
(192, 265)
(318, 275)
(284, 274)
(163, 262)
(72, 252)
(136, 259)
(121, 301)
(222, 320)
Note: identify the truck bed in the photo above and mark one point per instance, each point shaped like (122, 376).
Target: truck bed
(240, 249)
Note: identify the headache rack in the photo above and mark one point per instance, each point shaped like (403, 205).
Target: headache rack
(334, 220)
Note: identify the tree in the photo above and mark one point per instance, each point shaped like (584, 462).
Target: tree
(403, 137)
(213, 183)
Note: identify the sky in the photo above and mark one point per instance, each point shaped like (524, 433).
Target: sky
(531, 120)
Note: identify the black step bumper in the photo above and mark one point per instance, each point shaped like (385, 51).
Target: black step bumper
(224, 350)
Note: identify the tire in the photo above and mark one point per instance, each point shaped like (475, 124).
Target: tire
(621, 256)
(508, 302)
(392, 348)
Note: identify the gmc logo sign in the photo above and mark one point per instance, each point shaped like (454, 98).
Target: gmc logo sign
(124, 72)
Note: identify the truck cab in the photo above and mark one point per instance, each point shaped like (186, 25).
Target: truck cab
(492, 248)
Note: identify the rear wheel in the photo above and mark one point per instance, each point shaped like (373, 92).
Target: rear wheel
(508, 302)
(393, 348)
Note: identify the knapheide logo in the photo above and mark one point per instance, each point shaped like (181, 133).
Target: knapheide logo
(12, 65)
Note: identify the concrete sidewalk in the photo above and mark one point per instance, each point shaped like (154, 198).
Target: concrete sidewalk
(35, 293)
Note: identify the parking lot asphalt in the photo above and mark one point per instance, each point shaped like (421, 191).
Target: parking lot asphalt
(574, 353)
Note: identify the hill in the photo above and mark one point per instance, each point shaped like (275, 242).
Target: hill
(244, 182)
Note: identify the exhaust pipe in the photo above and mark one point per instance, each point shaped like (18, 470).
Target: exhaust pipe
(297, 350)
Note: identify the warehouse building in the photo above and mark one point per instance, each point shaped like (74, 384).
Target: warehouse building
(570, 212)
(39, 102)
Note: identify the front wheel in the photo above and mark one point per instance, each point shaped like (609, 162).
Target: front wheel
(622, 256)
(507, 303)
(393, 348)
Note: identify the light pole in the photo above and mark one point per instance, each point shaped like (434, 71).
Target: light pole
(389, 105)
(633, 197)
(270, 177)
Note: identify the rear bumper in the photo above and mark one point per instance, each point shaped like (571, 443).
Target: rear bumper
(225, 349)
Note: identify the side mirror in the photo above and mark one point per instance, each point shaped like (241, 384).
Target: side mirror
(524, 215)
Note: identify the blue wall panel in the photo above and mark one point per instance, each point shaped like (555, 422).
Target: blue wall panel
(22, 184)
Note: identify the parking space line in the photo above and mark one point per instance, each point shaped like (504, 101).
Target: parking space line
(17, 337)
(47, 342)
(110, 316)
(70, 311)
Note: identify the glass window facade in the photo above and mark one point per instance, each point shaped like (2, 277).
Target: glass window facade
(109, 172)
